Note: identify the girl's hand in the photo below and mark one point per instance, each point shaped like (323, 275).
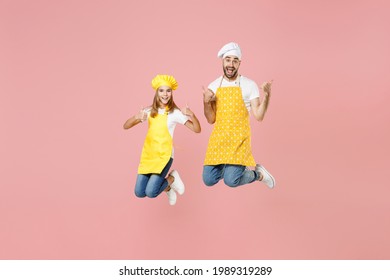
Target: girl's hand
(142, 115)
(186, 111)
(266, 87)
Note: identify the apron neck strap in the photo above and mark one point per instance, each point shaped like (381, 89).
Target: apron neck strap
(239, 80)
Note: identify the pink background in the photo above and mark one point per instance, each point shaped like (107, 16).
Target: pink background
(72, 72)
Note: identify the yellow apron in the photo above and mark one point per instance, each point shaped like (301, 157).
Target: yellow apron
(157, 149)
(230, 140)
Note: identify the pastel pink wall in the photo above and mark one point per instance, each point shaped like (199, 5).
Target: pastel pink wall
(71, 73)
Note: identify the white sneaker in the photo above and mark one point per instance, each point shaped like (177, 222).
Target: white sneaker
(267, 177)
(171, 197)
(177, 184)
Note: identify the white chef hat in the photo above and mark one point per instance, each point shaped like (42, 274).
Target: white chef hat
(230, 49)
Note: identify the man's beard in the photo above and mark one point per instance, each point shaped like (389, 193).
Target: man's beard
(232, 75)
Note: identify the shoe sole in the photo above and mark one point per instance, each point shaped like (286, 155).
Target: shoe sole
(174, 202)
(180, 192)
(169, 201)
(269, 174)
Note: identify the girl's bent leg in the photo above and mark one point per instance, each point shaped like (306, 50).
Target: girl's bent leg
(140, 185)
(157, 182)
(156, 185)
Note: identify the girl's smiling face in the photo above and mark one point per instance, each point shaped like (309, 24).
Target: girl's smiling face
(164, 95)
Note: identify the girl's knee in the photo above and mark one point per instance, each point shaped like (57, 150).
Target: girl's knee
(151, 193)
(139, 193)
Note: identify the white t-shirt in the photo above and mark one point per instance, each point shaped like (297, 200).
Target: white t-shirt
(249, 88)
(174, 118)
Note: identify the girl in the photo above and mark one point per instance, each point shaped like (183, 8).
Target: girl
(157, 152)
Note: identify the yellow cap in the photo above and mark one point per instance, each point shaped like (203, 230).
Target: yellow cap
(164, 80)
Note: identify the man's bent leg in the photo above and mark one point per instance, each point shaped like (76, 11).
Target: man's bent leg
(212, 174)
(238, 175)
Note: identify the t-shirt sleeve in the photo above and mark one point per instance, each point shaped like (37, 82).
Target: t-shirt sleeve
(254, 91)
(214, 85)
(148, 111)
(179, 117)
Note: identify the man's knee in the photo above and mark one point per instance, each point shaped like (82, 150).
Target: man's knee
(209, 181)
(211, 175)
(231, 181)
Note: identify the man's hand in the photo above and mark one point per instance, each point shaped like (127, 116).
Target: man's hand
(266, 87)
(208, 95)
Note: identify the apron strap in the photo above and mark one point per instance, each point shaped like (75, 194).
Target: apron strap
(239, 81)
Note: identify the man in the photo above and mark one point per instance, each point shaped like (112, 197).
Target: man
(227, 103)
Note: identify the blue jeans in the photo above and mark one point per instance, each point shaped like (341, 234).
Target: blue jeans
(233, 175)
(151, 185)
